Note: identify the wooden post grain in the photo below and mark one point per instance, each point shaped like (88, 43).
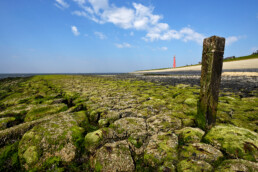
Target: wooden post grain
(212, 60)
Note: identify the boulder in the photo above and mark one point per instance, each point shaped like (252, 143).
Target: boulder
(234, 141)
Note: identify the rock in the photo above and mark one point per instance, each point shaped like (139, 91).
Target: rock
(163, 123)
(190, 102)
(125, 127)
(190, 135)
(236, 165)
(162, 147)
(5, 121)
(236, 142)
(168, 166)
(113, 157)
(200, 151)
(193, 165)
(93, 140)
(59, 137)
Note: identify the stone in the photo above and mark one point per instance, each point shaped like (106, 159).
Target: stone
(5, 121)
(201, 151)
(59, 137)
(162, 147)
(193, 165)
(163, 123)
(93, 140)
(127, 126)
(212, 61)
(236, 165)
(234, 141)
(190, 135)
(113, 157)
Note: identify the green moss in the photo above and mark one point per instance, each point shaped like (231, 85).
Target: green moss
(236, 142)
(93, 140)
(192, 165)
(190, 135)
(39, 112)
(98, 167)
(9, 160)
(31, 155)
(136, 142)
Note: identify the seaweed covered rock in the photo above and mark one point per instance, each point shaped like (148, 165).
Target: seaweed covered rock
(190, 135)
(60, 137)
(113, 157)
(5, 121)
(128, 126)
(162, 147)
(163, 123)
(44, 110)
(235, 165)
(236, 142)
(201, 151)
(193, 165)
(93, 140)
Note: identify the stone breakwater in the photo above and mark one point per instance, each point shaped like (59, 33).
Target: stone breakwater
(122, 123)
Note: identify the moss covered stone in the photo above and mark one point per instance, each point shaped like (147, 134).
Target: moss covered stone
(113, 157)
(163, 123)
(44, 110)
(201, 151)
(93, 140)
(193, 165)
(162, 147)
(236, 165)
(234, 141)
(5, 121)
(190, 135)
(58, 137)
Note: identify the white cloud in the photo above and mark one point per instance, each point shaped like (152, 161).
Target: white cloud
(139, 17)
(80, 2)
(164, 48)
(122, 17)
(123, 45)
(61, 4)
(75, 30)
(99, 5)
(230, 40)
(100, 35)
(131, 33)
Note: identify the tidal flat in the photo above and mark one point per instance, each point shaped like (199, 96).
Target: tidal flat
(123, 123)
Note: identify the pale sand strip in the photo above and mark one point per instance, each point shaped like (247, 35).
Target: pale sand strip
(241, 64)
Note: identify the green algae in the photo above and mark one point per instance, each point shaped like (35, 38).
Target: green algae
(234, 141)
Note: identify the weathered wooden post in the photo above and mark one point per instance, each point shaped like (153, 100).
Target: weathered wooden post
(212, 60)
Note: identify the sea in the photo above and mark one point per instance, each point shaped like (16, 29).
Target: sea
(14, 75)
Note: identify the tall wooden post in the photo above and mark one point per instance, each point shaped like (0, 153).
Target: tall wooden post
(212, 60)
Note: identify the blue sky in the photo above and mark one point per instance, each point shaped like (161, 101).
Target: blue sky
(86, 36)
